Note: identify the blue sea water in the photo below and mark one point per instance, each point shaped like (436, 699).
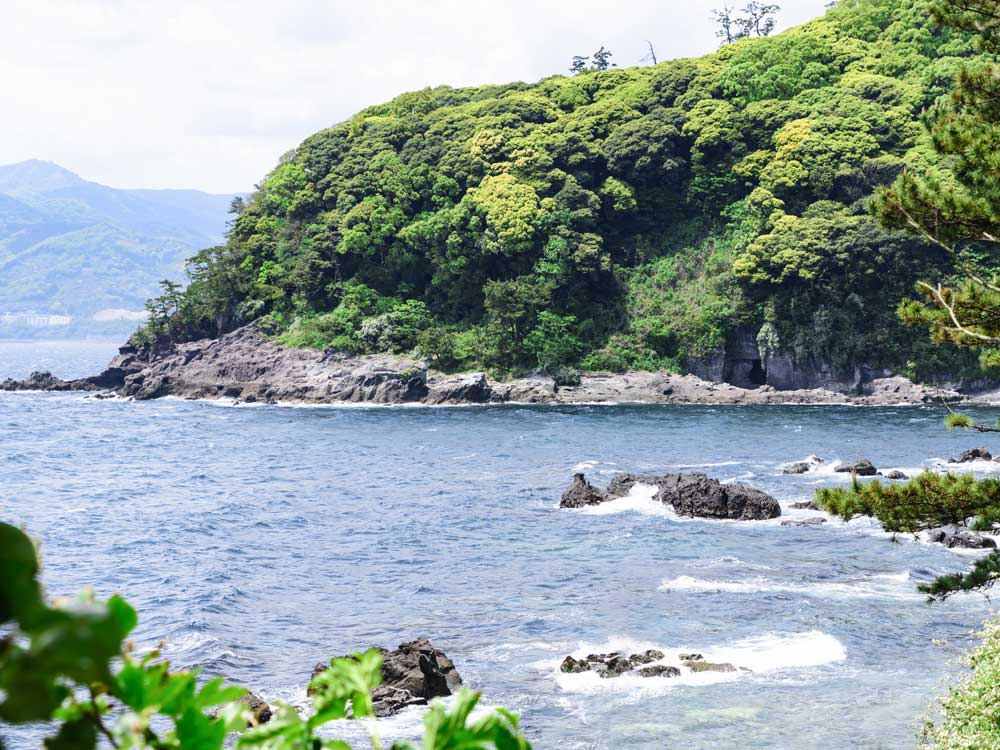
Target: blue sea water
(257, 541)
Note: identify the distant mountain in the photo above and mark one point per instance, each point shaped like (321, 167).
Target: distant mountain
(74, 247)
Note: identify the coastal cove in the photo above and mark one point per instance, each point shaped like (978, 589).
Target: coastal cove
(258, 541)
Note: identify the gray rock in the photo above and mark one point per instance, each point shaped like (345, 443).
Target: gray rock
(646, 657)
(863, 468)
(691, 657)
(896, 474)
(581, 493)
(806, 505)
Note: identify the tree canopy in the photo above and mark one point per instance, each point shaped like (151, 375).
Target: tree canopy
(650, 210)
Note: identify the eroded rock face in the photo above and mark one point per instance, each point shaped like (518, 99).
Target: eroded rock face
(412, 674)
(695, 495)
(973, 454)
(863, 468)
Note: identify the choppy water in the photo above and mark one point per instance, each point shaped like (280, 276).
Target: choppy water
(260, 540)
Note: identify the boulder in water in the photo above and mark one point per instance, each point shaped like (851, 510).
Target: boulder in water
(805, 465)
(573, 666)
(659, 670)
(815, 521)
(805, 505)
(863, 468)
(973, 454)
(896, 474)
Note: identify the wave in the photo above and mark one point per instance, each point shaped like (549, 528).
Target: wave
(883, 586)
(762, 655)
(640, 499)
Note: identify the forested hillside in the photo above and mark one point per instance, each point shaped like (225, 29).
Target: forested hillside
(630, 218)
(74, 247)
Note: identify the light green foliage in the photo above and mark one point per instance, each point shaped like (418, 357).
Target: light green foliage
(588, 196)
(970, 712)
(69, 664)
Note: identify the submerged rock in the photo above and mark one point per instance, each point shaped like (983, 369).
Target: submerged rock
(701, 665)
(581, 493)
(805, 505)
(863, 468)
(659, 670)
(896, 474)
(412, 674)
(958, 536)
(817, 521)
(973, 454)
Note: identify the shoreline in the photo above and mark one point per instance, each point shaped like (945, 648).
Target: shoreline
(245, 367)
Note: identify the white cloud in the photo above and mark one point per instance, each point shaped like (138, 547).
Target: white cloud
(209, 93)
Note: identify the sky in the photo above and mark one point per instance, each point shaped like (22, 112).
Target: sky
(208, 94)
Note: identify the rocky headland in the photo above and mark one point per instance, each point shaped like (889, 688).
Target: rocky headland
(248, 367)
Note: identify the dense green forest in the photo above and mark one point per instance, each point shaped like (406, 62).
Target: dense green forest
(612, 219)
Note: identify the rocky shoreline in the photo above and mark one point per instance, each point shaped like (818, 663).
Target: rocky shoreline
(247, 367)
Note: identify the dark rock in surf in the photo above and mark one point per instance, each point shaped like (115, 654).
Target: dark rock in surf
(690, 657)
(957, 536)
(659, 670)
(412, 674)
(973, 454)
(573, 666)
(581, 493)
(694, 495)
(863, 468)
(646, 657)
(896, 474)
(804, 466)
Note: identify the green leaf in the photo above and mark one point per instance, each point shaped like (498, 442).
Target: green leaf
(124, 614)
(196, 731)
(213, 693)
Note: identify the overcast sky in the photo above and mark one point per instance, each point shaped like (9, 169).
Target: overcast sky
(209, 93)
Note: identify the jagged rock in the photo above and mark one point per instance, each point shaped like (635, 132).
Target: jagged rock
(804, 522)
(805, 465)
(863, 468)
(805, 505)
(689, 494)
(973, 454)
(957, 536)
(412, 674)
(707, 666)
(613, 667)
(896, 474)
(659, 670)
(690, 657)
(573, 666)
(581, 493)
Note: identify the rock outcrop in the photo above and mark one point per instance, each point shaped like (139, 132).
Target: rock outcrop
(412, 675)
(695, 495)
(247, 366)
(644, 664)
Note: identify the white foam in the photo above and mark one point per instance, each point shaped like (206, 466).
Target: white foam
(762, 655)
(640, 499)
(884, 586)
